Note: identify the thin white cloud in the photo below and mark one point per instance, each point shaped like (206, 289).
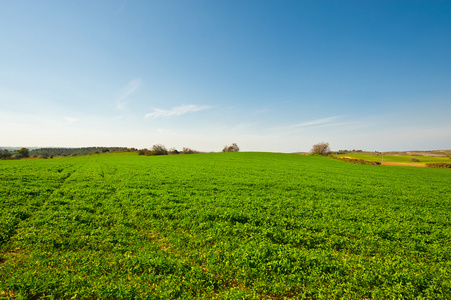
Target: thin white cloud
(245, 127)
(339, 124)
(129, 89)
(165, 131)
(69, 120)
(322, 122)
(176, 111)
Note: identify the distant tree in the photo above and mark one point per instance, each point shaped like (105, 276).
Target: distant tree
(45, 155)
(143, 151)
(321, 149)
(232, 148)
(158, 150)
(173, 151)
(23, 153)
(5, 154)
(415, 159)
(79, 151)
(189, 151)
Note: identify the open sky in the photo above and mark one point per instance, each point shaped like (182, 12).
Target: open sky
(268, 75)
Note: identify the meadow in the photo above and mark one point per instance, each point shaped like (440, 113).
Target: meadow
(222, 226)
(398, 158)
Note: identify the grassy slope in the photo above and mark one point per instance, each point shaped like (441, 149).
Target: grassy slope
(228, 225)
(398, 158)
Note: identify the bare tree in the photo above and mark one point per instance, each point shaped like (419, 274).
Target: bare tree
(158, 150)
(232, 148)
(189, 151)
(321, 149)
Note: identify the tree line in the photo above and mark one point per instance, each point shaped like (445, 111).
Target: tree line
(159, 149)
(49, 152)
(62, 152)
(21, 153)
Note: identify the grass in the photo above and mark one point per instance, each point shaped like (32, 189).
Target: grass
(398, 158)
(222, 226)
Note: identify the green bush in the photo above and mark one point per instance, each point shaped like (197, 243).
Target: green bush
(360, 161)
(5, 154)
(173, 151)
(144, 151)
(23, 153)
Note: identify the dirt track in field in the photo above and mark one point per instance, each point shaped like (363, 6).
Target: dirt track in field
(402, 164)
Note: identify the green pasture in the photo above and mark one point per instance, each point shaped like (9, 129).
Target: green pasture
(222, 226)
(397, 158)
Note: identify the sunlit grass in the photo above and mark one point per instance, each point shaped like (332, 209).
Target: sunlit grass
(223, 226)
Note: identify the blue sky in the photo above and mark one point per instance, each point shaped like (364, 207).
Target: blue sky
(268, 75)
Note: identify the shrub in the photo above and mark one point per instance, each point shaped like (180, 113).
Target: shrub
(439, 165)
(189, 151)
(232, 148)
(173, 151)
(321, 149)
(23, 153)
(143, 151)
(158, 150)
(360, 161)
(415, 159)
(5, 154)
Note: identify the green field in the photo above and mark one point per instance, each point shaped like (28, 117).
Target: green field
(222, 226)
(398, 158)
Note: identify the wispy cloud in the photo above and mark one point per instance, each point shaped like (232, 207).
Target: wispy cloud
(129, 89)
(165, 131)
(319, 122)
(176, 111)
(69, 120)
